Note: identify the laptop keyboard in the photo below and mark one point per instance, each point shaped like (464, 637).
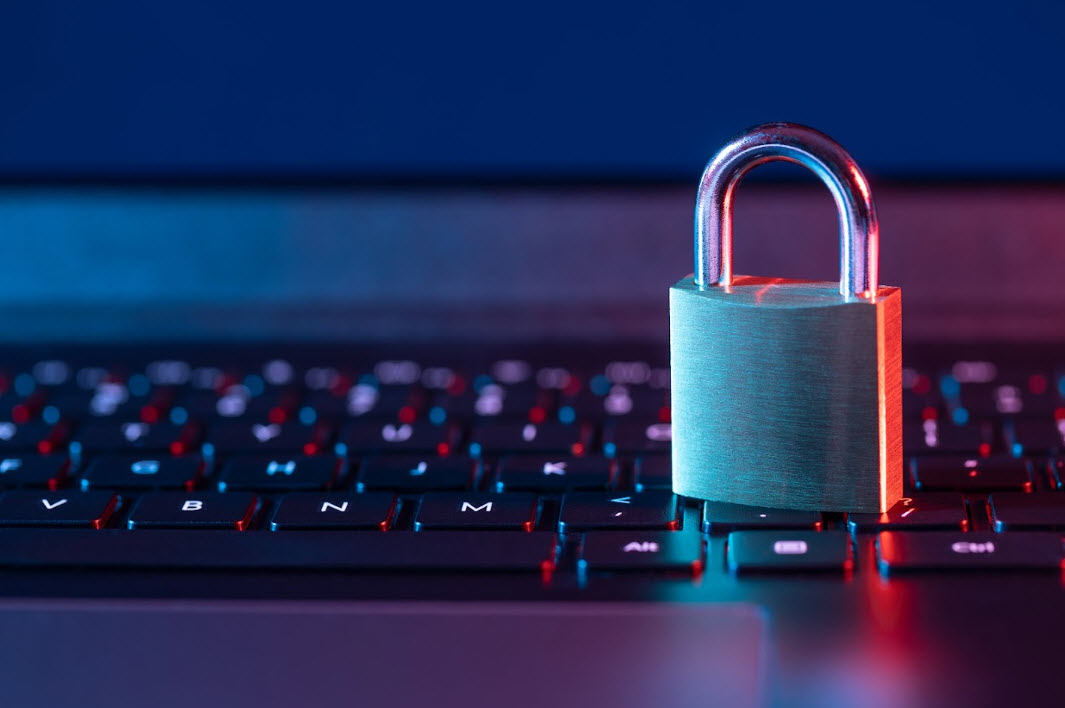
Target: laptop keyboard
(505, 465)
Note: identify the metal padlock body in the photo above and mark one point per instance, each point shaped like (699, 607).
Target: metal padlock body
(782, 394)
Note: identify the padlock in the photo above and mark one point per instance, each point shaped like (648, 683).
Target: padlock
(787, 393)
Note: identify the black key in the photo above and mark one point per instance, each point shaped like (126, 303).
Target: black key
(373, 510)
(414, 474)
(787, 551)
(1020, 512)
(308, 550)
(631, 437)
(194, 510)
(48, 471)
(281, 473)
(642, 550)
(655, 509)
(503, 436)
(654, 472)
(91, 509)
(1036, 436)
(945, 550)
(142, 473)
(720, 517)
(554, 475)
(476, 511)
(110, 436)
(935, 436)
(970, 474)
(247, 437)
(927, 511)
(369, 436)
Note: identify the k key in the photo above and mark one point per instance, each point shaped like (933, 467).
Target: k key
(210, 510)
(554, 475)
(655, 509)
(85, 509)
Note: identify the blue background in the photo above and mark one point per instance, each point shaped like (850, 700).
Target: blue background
(547, 89)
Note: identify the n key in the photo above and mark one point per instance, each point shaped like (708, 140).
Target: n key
(87, 509)
(372, 510)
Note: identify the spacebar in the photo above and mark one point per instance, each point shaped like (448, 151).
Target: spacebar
(260, 550)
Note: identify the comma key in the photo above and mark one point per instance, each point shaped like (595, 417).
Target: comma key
(903, 551)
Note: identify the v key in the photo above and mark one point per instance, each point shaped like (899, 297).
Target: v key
(88, 509)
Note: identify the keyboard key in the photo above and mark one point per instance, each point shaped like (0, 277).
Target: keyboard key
(926, 511)
(373, 510)
(246, 437)
(945, 550)
(934, 437)
(720, 517)
(788, 551)
(280, 473)
(91, 509)
(554, 475)
(23, 438)
(971, 474)
(485, 551)
(414, 474)
(626, 437)
(680, 551)
(196, 510)
(654, 472)
(1037, 436)
(655, 509)
(502, 436)
(399, 437)
(111, 436)
(48, 471)
(477, 511)
(142, 473)
(1020, 512)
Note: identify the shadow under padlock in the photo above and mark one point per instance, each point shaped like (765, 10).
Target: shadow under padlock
(787, 393)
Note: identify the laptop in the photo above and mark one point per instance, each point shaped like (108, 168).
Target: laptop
(277, 445)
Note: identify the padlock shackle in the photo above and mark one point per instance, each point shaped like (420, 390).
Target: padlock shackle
(859, 233)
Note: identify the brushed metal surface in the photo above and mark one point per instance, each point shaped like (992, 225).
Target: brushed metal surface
(787, 394)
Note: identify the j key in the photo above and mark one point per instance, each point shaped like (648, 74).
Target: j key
(195, 510)
(1039, 435)
(642, 550)
(280, 473)
(899, 551)
(247, 437)
(934, 437)
(25, 437)
(787, 551)
(970, 474)
(114, 436)
(449, 510)
(655, 509)
(307, 550)
(369, 436)
(1013, 512)
(721, 517)
(630, 437)
(49, 471)
(89, 509)
(142, 473)
(546, 475)
(927, 511)
(373, 510)
(654, 472)
(413, 474)
(503, 436)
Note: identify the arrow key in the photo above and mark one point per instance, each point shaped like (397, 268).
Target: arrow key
(554, 475)
(655, 509)
(642, 550)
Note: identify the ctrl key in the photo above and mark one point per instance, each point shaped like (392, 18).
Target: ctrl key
(902, 551)
(789, 551)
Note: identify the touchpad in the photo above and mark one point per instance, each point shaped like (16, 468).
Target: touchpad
(381, 654)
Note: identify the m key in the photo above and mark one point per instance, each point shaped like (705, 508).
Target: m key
(477, 511)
